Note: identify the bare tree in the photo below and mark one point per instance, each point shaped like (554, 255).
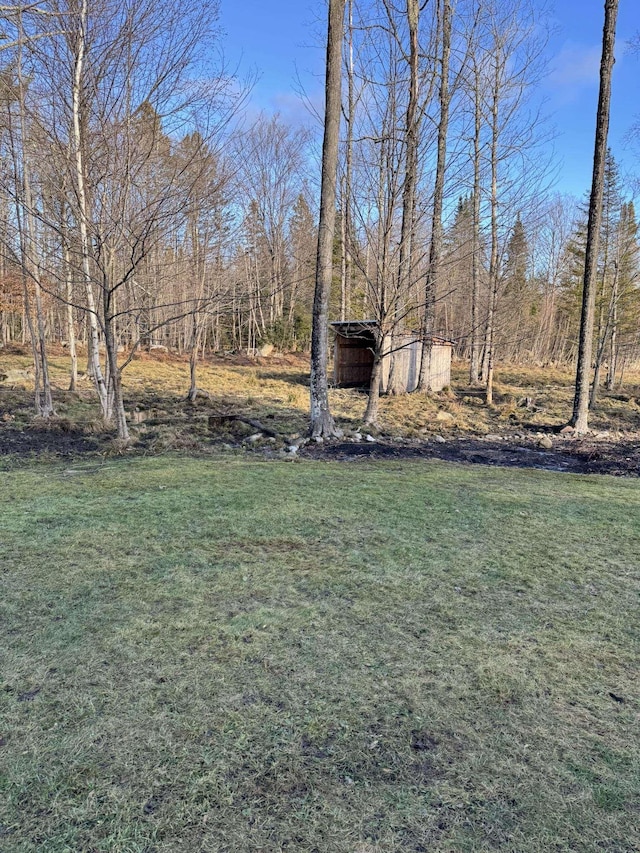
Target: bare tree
(580, 417)
(435, 250)
(322, 423)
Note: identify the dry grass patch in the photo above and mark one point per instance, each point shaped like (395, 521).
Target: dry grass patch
(275, 391)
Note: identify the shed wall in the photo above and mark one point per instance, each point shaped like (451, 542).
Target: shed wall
(353, 361)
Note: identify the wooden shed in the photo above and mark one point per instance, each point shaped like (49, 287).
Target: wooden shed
(353, 357)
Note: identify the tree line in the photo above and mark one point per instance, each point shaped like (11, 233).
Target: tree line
(140, 207)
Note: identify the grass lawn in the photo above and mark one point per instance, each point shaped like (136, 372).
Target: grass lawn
(235, 656)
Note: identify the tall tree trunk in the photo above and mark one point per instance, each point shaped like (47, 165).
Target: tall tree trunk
(93, 367)
(580, 417)
(435, 249)
(43, 398)
(476, 344)
(413, 121)
(322, 424)
(345, 301)
(494, 272)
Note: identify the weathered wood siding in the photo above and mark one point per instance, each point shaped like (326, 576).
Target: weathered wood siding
(407, 352)
(353, 361)
(440, 371)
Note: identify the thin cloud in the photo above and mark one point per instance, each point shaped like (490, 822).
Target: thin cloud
(575, 69)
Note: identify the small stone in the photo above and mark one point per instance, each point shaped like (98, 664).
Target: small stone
(357, 436)
(444, 416)
(318, 439)
(292, 448)
(545, 442)
(369, 438)
(439, 439)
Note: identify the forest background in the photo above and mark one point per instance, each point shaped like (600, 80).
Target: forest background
(147, 202)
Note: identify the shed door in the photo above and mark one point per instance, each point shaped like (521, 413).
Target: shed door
(354, 361)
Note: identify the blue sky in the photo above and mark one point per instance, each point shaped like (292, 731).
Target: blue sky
(281, 40)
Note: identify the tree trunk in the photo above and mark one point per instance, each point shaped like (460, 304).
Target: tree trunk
(115, 404)
(371, 412)
(322, 424)
(494, 271)
(613, 345)
(345, 302)
(71, 329)
(476, 345)
(93, 367)
(580, 416)
(435, 250)
(413, 123)
(43, 398)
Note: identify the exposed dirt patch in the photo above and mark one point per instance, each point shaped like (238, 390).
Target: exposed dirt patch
(588, 455)
(574, 456)
(27, 441)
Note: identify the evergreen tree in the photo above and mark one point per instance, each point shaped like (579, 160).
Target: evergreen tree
(518, 300)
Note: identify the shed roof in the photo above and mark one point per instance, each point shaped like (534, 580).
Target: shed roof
(353, 328)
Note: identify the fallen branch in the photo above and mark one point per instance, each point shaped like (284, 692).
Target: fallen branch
(217, 420)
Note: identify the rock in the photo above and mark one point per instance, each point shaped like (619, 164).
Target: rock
(357, 436)
(444, 416)
(318, 439)
(292, 449)
(369, 438)
(265, 350)
(493, 437)
(567, 430)
(439, 439)
(546, 443)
